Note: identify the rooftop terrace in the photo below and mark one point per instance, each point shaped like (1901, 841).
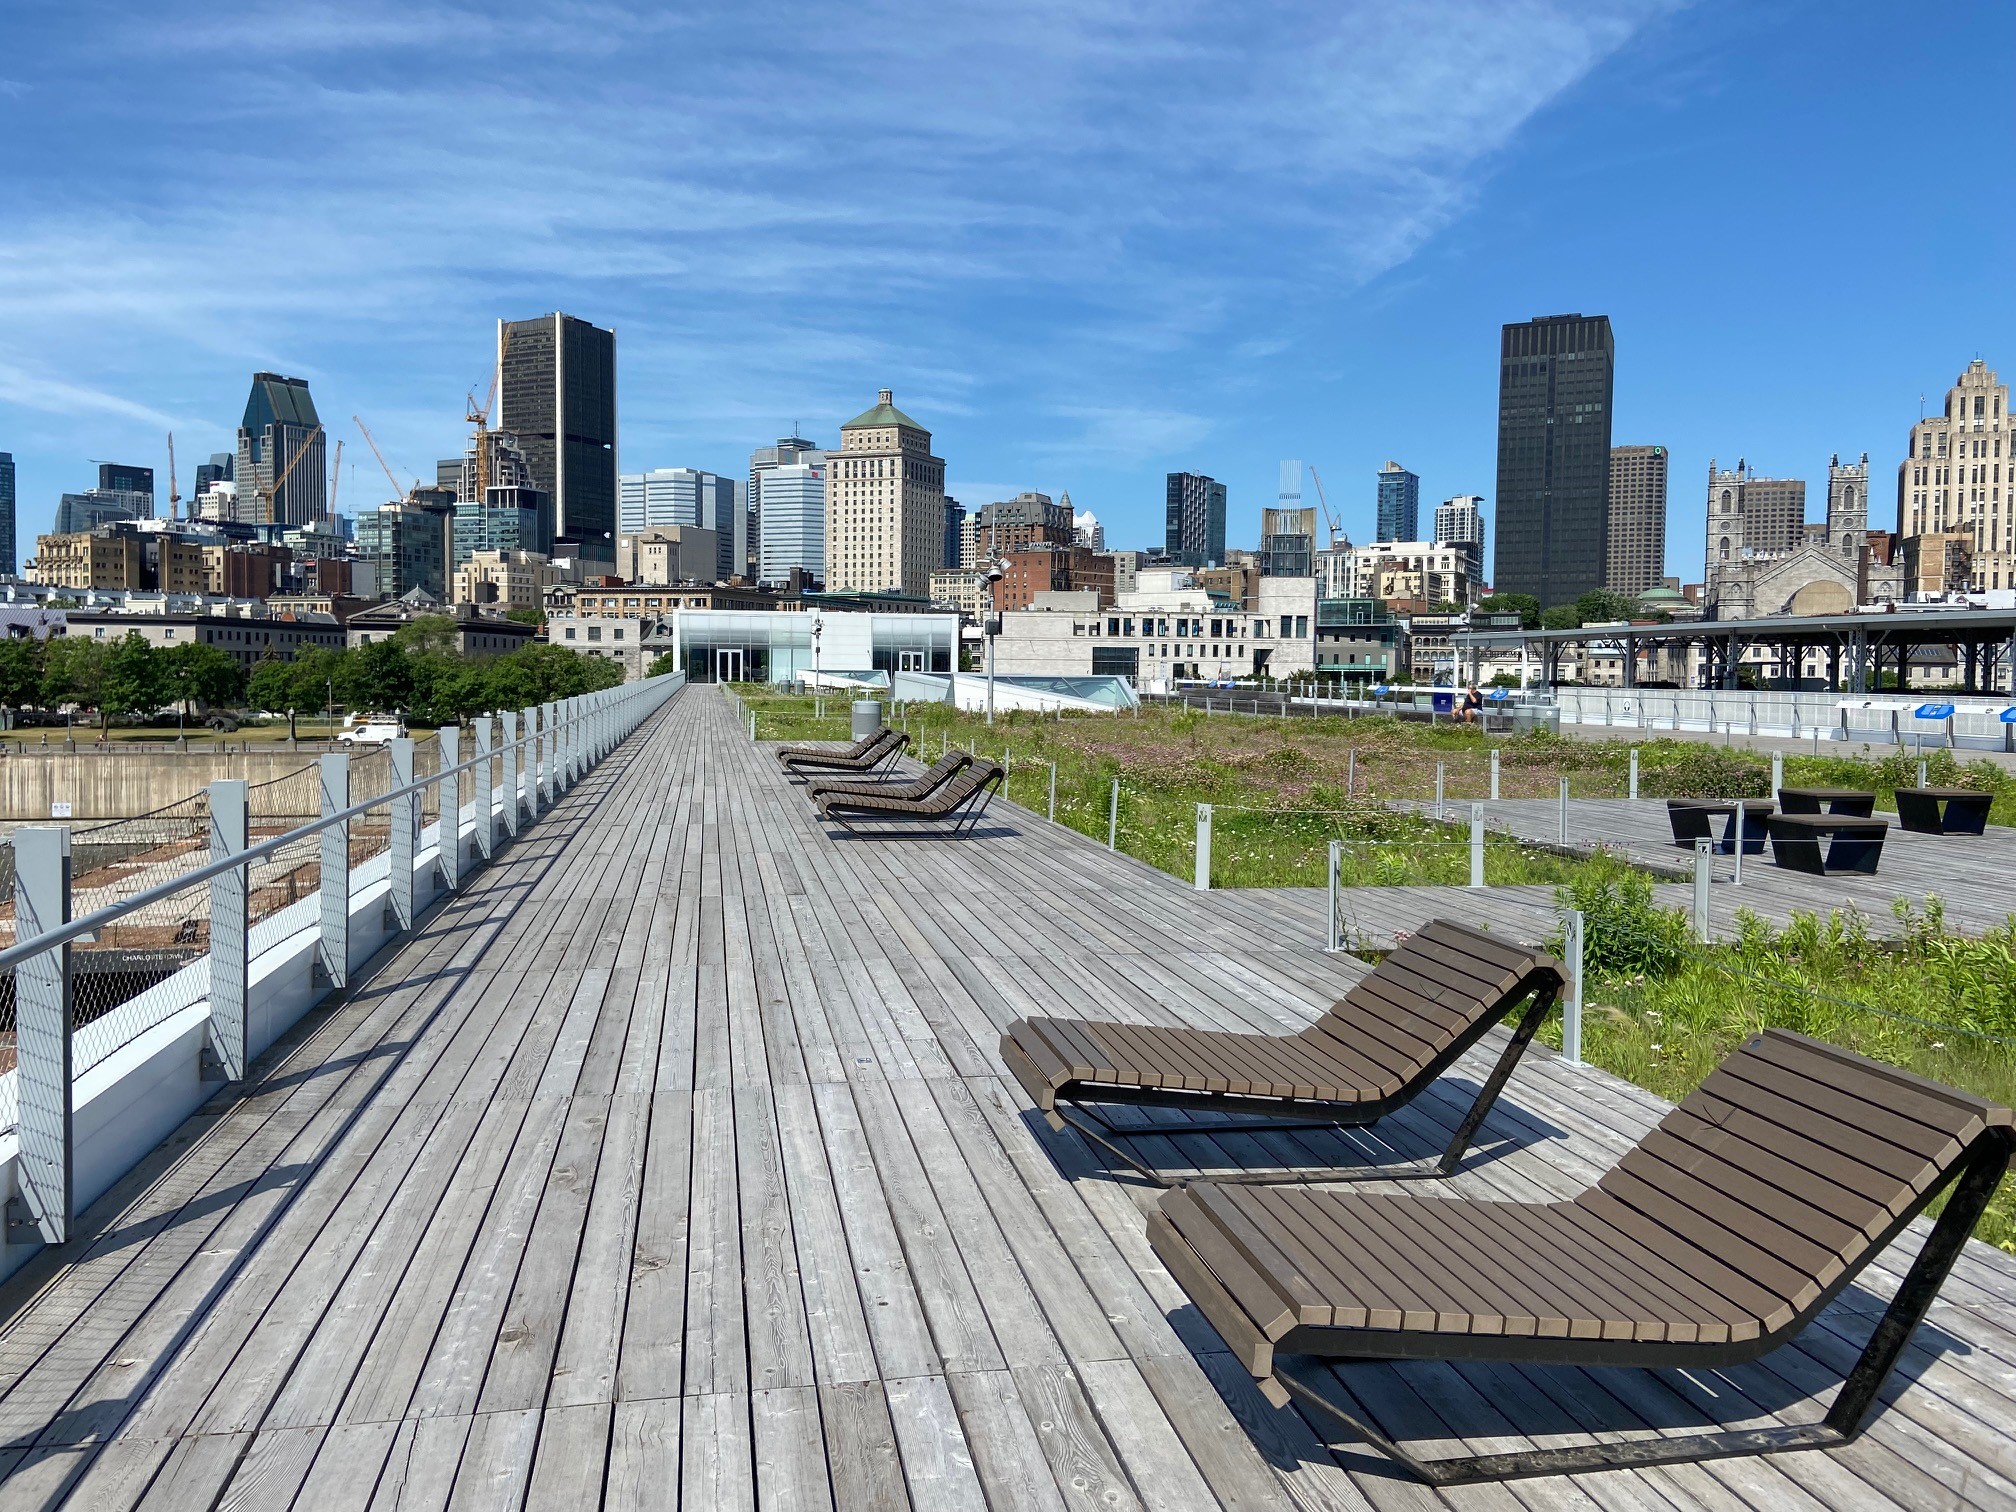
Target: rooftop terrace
(671, 1162)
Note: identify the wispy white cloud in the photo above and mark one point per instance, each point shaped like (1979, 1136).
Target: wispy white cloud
(53, 396)
(777, 206)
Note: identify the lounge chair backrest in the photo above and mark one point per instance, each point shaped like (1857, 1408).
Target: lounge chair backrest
(964, 785)
(1427, 997)
(1788, 1165)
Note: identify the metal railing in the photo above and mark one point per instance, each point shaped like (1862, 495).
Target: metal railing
(543, 752)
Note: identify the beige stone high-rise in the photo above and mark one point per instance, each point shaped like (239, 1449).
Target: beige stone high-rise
(1961, 476)
(1637, 544)
(885, 505)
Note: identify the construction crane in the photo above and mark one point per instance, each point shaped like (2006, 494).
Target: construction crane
(1329, 518)
(479, 417)
(266, 495)
(397, 491)
(336, 475)
(174, 495)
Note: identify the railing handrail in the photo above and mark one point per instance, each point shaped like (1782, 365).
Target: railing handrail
(160, 891)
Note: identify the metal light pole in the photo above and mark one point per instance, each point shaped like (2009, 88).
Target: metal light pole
(995, 572)
(818, 699)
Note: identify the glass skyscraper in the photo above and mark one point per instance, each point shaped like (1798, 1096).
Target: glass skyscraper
(557, 382)
(1555, 377)
(1399, 504)
(688, 496)
(7, 506)
(282, 468)
(1194, 520)
(794, 521)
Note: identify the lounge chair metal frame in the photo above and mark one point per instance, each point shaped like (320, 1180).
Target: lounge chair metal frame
(962, 817)
(1293, 1114)
(800, 764)
(1973, 1182)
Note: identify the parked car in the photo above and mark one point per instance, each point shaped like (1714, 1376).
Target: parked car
(371, 730)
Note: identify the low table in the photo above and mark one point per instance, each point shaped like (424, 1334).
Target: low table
(1856, 842)
(1826, 800)
(1944, 810)
(1692, 819)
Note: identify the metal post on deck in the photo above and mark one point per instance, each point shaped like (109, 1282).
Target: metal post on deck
(1634, 772)
(1113, 818)
(405, 836)
(1336, 860)
(1476, 845)
(1494, 776)
(508, 720)
(1351, 772)
(1202, 880)
(1922, 774)
(1736, 828)
(44, 1019)
(448, 832)
(1777, 772)
(333, 935)
(1441, 807)
(1053, 792)
(1571, 1013)
(486, 811)
(228, 927)
(1704, 876)
(1564, 813)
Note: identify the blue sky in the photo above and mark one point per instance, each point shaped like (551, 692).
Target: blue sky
(1086, 241)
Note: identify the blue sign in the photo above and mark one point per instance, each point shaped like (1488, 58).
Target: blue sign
(1499, 695)
(1445, 703)
(1381, 691)
(1933, 711)
(2008, 716)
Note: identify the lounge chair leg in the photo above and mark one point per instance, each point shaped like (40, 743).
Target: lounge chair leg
(1105, 1136)
(1977, 1179)
(1529, 1025)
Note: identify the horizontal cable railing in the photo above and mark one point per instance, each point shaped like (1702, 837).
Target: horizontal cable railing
(115, 930)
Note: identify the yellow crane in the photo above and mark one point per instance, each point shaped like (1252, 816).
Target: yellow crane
(1329, 518)
(336, 475)
(479, 417)
(174, 494)
(266, 495)
(397, 491)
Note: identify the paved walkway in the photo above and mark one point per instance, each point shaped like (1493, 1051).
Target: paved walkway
(672, 1165)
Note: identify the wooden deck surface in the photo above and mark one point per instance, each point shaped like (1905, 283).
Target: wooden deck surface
(671, 1164)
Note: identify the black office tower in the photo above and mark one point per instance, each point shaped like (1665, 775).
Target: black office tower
(7, 513)
(282, 466)
(1194, 529)
(1555, 376)
(558, 385)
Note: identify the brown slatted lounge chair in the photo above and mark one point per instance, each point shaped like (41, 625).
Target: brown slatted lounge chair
(884, 747)
(915, 787)
(958, 802)
(1722, 1235)
(858, 748)
(1375, 1050)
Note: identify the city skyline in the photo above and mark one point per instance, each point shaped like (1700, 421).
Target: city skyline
(1094, 357)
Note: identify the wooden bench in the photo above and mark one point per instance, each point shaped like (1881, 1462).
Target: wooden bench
(1944, 810)
(1722, 1235)
(1856, 843)
(1692, 818)
(1852, 802)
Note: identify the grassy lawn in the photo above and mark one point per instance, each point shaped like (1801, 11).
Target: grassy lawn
(1660, 1010)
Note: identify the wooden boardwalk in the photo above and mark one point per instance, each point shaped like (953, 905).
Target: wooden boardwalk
(671, 1165)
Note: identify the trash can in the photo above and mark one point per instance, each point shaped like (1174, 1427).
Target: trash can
(867, 717)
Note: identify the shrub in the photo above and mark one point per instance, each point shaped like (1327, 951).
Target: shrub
(1623, 932)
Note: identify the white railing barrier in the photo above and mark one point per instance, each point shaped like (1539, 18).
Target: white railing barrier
(53, 1162)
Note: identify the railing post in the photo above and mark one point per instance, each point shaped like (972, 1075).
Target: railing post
(1441, 808)
(228, 928)
(1922, 774)
(1351, 771)
(1202, 879)
(1571, 1015)
(1494, 776)
(405, 833)
(333, 945)
(508, 720)
(1053, 792)
(1736, 828)
(536, 730)
(1113, 818)
(1476, 845)
(1634, 772)
(1564, 813)
(1336, 865)
(1778, 772)
(486, 814)
(448, 842)
(43, 1021)
(1704, 868)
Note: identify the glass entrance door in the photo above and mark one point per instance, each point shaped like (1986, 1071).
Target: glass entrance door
(909, 661)
(728, 664)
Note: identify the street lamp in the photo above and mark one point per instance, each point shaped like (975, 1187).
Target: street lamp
(995, 572)
(818, 688)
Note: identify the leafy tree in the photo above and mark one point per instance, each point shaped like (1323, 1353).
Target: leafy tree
(427, 635)
(664, 666)
(1560, 617)
(73, 669)
(135, 679)
(1600, 604)
(377, 678)
(525, 616)
(21, 672)
(212, 678)
(1524, 605)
